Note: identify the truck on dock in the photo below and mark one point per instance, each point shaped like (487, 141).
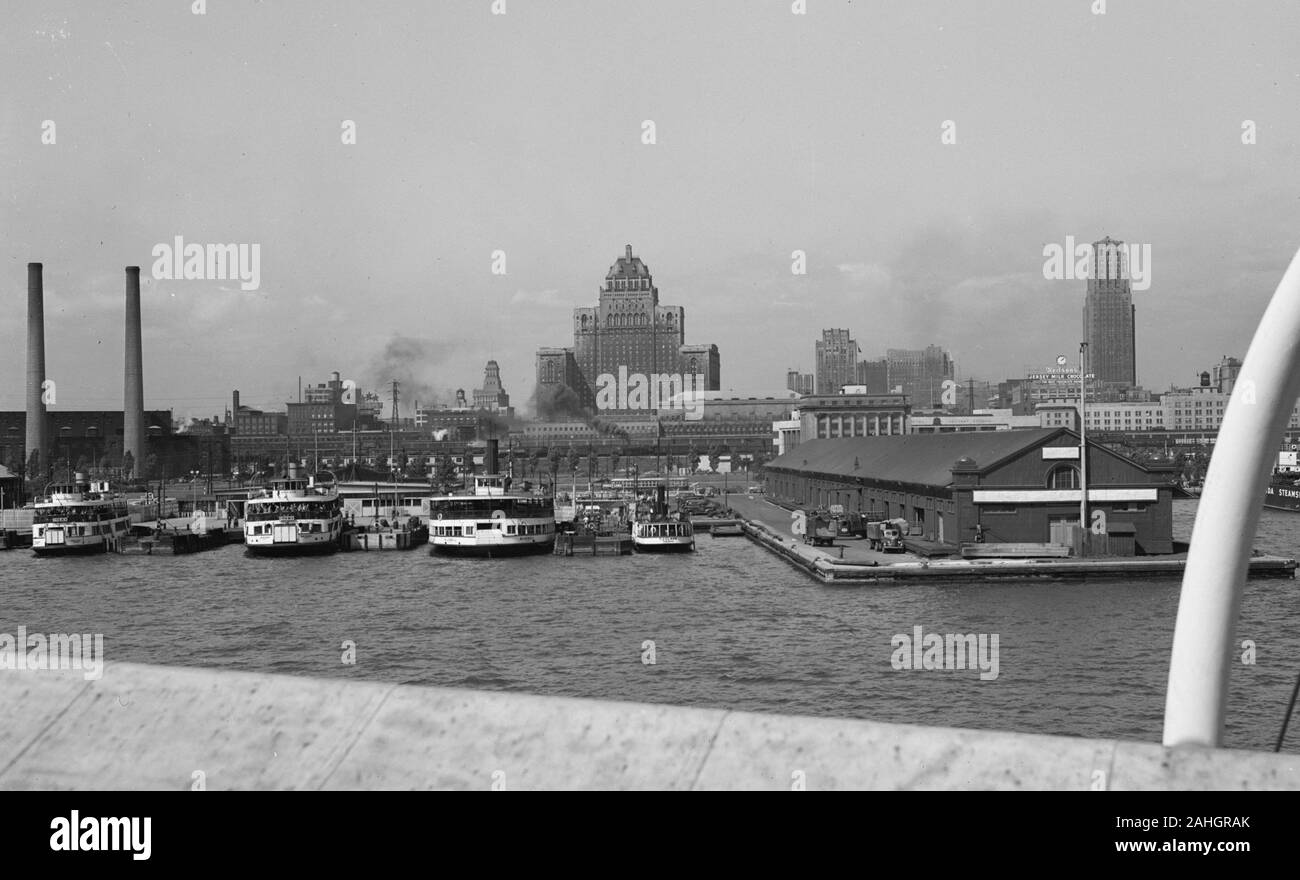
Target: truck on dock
(821, 528)
(886, 536)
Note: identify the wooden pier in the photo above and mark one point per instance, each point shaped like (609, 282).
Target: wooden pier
(168, 543)
(12, 539)
(593, 545)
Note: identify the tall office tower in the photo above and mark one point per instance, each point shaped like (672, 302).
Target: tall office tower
(628, 332)
(799, 383)
(1109, 316)
(837, 361)
(920, 374)
(493, 394)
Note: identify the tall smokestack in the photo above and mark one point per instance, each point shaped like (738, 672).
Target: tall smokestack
(490, 457)
(133, 407)
(37, 423)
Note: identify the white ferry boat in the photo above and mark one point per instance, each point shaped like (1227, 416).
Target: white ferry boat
(663, 535)
(78, 517)
(655, 531)
(294, 516)
(490, 519)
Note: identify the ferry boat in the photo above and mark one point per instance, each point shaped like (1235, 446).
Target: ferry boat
(657, 532)
(294, 516)
(657, 536)
(78, 517)
(1283, 490)
(490, 519)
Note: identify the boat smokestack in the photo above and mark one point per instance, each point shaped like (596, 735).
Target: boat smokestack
(490, 457)
(133, 403)
(37, 422)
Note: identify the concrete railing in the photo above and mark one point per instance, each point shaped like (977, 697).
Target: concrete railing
(1226, 519)
(151, 727)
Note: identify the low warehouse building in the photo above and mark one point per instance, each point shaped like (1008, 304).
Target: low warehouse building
(996, 487)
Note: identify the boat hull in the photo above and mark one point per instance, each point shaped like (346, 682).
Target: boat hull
(488, 550)
(1282, 497)
(87, 549)
(284, 548)
(663, 547)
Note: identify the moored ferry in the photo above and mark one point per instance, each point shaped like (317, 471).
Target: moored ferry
(655, 531)
(490, 519)
(663, 535)
(294, 516)
(1283, 490)
(78, 517)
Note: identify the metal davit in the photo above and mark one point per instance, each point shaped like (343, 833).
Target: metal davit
(1226, 519)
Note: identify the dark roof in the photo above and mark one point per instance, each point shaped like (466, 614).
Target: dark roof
(920, 459)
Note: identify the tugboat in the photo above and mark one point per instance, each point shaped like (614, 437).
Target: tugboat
(78, 517)
(294, 516)
(489, 519)
(658, 532)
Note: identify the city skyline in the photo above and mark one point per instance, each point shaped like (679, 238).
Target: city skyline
(380, 252)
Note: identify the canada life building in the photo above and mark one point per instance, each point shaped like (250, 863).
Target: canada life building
(628, 328)
(1108, 316)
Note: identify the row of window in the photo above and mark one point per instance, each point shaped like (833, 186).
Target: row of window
(94, 529)
(511, 529)
(627, 284)
(1120, 507)
(303, 528)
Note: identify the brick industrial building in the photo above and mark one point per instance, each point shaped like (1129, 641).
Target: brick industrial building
(1017, 486)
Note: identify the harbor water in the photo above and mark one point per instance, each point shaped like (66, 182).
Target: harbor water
(731, 625)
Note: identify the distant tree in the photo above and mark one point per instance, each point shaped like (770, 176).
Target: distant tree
(714, 458)
(128, 465)
(553, 458)
(150, 466)
(614, 458)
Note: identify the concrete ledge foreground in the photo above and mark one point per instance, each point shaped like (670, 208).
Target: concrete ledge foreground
(154, 727)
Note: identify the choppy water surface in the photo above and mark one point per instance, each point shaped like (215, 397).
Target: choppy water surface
(733, 626)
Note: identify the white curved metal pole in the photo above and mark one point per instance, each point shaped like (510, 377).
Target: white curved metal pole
(1226, 518)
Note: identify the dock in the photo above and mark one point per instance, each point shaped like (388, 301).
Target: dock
(717, 526)
(592, 545)
(851, 560)
(13, 539)
(171, 543)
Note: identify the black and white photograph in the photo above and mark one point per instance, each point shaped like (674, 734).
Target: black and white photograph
(644, 395)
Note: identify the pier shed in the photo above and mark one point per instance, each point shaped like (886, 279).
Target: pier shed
(998, 487)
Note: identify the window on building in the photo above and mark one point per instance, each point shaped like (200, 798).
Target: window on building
(1063, 476)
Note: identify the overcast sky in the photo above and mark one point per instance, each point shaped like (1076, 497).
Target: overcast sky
(523, 133)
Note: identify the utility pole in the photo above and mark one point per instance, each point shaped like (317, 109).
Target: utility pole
(1083, 450)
